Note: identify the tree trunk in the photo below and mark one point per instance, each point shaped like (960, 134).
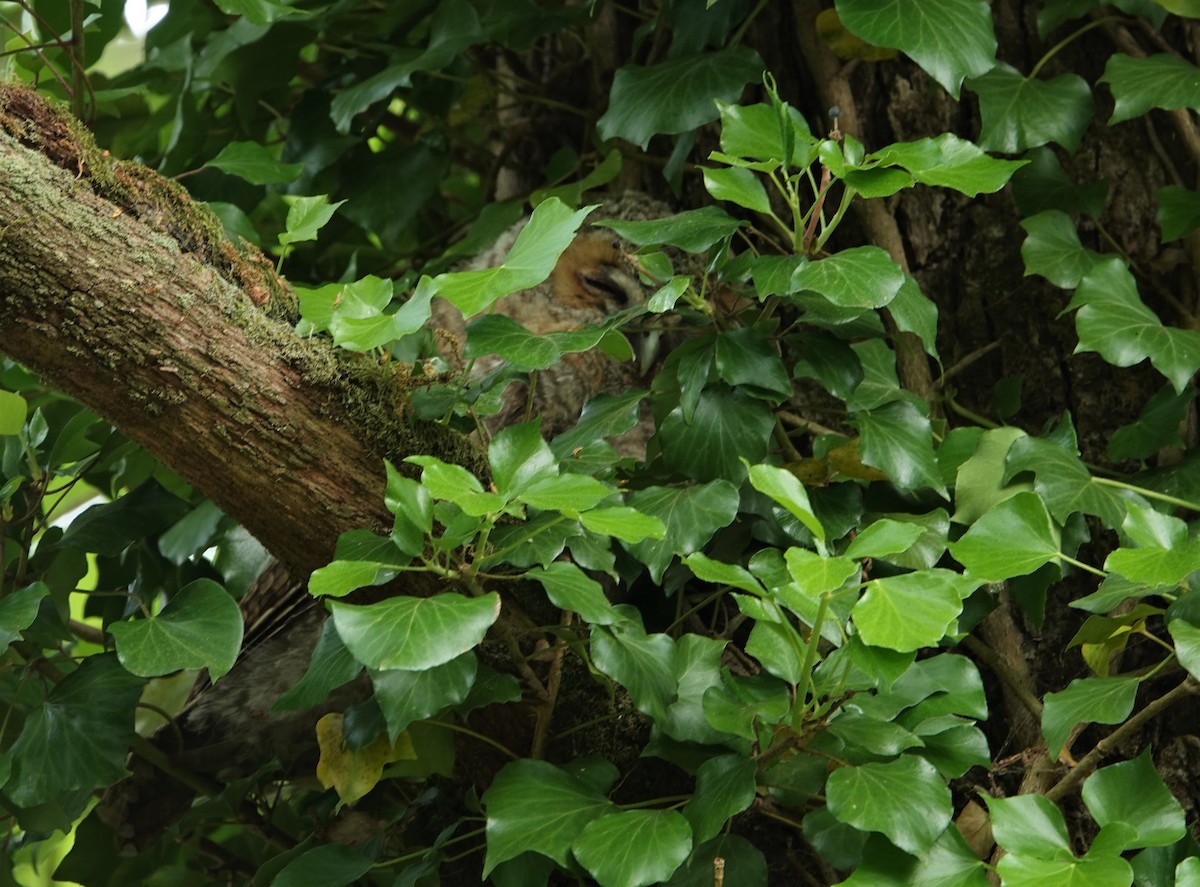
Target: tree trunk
(285, 434)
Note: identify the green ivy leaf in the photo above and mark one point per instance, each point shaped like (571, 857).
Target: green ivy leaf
(1178, 212)
(708, 570)
(641, 663)
(18, 609)
(1062, 481)
(786, 489)
(1187, 644)
(677, 95)
(306, 216)
(884, 537)
(13, 410)
(1053, 250)
(813, 575)
(455, 484)
(744, 864)
(739, 186)
(758, 132)
(950, 162)
(874, 735)
(634, 848)
(255, 163)
(1100, 870)
(1087, 701)
(78, 738)
(950, 39)
(915, 313)
(1156, 565)
(725, 786)
(912, 610)
(605, 415)
(110, 528)
(622, 522)
(691, 515)
(339, 578)
(1159, 81)
(550, 230)
(905, 799)
(1019, 112)
(898, 440)
(200, 627)
(332, 665)
(949, 863)
(746, 357)
(406, 696)
(1113, 321)
(499, 334)
(415, 633)
(1029, 825)
(693, 231)
(1133, 793)
(568, 493)
(1043, 185)
(859, 277)
(569, 588)
(535, 806)
(726, 427)
(1013, 539)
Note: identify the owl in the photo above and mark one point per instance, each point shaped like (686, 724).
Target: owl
(594, 278)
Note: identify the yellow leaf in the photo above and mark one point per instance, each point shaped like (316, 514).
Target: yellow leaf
(811, 472)
(845, 460)
(354, 772)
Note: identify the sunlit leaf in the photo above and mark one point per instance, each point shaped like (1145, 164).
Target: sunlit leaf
(415, 633)
(905, 799)
(633, 848)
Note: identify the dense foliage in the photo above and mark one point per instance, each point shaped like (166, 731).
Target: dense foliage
(777, 618)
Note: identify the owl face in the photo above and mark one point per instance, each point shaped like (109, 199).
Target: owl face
(595, 273)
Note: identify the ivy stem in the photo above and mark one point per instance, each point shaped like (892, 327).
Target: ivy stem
(1088, 568)
(1079, 32)
(1149, 494)
(1089, 762)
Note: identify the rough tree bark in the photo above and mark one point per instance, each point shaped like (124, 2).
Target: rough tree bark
(112, 296)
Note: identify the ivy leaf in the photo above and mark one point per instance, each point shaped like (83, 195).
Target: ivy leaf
(949, 863)
(727, 426)
(1020, 112)
(352, 772)
(1029, 825)
(737, 185)
(884, 537)
(677, 95)
(691, 515)
(255, 163)
(603, 416)
(693, 231)
(415, 633)
(725, 786)
(1043, 185)
(332, 665)
(1086, 701)
(500, 334)
(634, 848)
(950, 162)
(708, 570)
(535, 806)
(746, 357)
(758, 132)
(1160, 81)
(859, 277)
(641, 663)
(622, 522)
(898, 440)
(327, 865)
(306, 216)
(455, 484)
(1178, 212)
(786, 489)
(739, 705)
(950, 39)
(1094, 870)
(550, 230)
(1133, 793)
(1053, 250)
(79, 737)
(914, 312)
(569, 588)
(1113, 321)
(18, 609)
(568, 493)
(1156, 565)
(201, 627)
(1187, 644)
(1062, 481)
(1013, 539)
(407, 696)
(905, 799)
(912, 610)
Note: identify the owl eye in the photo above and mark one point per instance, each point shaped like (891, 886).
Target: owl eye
(598, 283)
